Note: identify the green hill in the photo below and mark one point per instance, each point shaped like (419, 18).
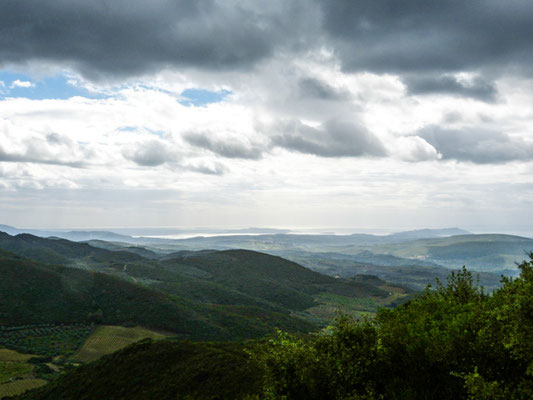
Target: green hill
(61, 251)
(264, 279)
(223, 278)
(161, 370)
(232, 294)
(35, 293)
(453, 343)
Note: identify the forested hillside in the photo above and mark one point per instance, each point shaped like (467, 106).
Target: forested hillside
(454, 342)
(233, 294)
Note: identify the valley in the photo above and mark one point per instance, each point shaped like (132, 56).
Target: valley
(67, 303)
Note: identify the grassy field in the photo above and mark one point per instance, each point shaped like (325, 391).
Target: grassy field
(13, 365)
(108, 339)
(18, 375)
(11, 355)
(14, 369)
(330, 305)
(20, 386)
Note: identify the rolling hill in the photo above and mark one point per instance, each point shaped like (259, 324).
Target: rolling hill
(36, 293)
(208, 294)
(161, 370)
(488, 252)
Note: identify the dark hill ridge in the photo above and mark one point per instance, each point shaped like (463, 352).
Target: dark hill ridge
(278, 281)
(231, 277)
(206, 294)
(451, 247)
(75, 235)
(35, 293)
(410, 352)
(121, 246)
(60, 251)
(161, 370)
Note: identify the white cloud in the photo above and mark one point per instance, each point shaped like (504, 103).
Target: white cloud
(21, 84)
(134, 147)
(413, 148)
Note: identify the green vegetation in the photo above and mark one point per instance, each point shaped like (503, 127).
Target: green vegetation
(60, 251)
(490, 252)
(348, 305)
(209, 295)
(412, 273)
(485, 252)
(35, 293)
(455, 342)
(18, 373)
(108, 339)
(11, 355)
(161, 370)
(20, 386)
(48, 340)
(13, 369)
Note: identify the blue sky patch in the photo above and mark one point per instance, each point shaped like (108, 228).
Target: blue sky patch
(202, 97)
(128, 128)
(50, 87)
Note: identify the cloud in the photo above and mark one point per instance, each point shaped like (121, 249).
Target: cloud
(23, 146)
(477, 88)
(315, 88)
(477, 145)
(131, 37)
(150, 153)
(21, 84)
(331, 139)
(226, 147)
(420, 36)
(207, 169)
(35, 156)
(413, 149)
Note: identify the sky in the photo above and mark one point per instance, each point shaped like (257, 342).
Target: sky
(287, 113)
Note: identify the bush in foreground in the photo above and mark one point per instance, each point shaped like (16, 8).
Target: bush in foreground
(455, 342)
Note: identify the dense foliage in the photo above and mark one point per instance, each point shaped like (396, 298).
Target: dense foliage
(35, 293)
(161, 370)
(452, 342)
(455, 342)
(207, 295)
(45, 339)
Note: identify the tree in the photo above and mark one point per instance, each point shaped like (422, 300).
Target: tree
(454, 342)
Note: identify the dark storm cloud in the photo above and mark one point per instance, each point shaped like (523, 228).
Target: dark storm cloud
(314, 88)
(477, 145)
(478, 88)
(430, 36)
(331, 139)
(226, 148)
(127, 37)
(149, 154)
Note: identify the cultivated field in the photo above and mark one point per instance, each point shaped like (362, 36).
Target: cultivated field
(17, 387)
(108, 339)
(11, 355)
